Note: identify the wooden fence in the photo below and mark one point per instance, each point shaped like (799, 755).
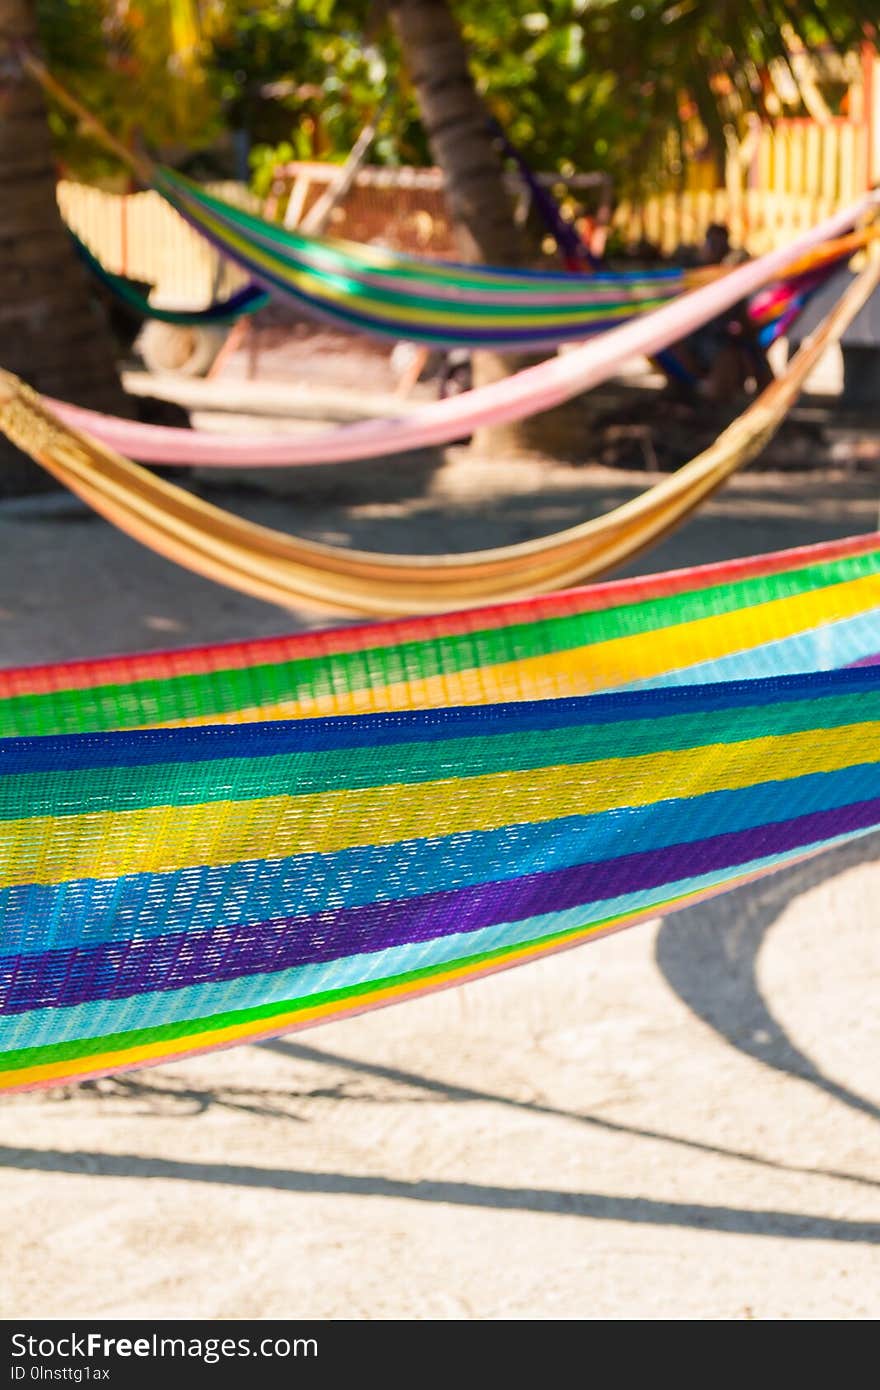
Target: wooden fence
(797, 172)
(140, 236)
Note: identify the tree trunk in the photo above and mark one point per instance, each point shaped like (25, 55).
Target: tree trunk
(457, 125)
(52, 330)
(456, 121)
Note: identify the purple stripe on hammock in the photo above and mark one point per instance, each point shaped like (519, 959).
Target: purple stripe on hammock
(115, 970)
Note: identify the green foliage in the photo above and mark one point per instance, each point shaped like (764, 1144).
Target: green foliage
(138, 64)
(586, 84)
(304, 76)
(531, 63)
(604, 84)
(541, 81)
(704, 65)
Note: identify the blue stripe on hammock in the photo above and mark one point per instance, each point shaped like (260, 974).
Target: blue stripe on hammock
(140, 747)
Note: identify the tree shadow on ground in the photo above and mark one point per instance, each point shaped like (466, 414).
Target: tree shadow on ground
(708, 954)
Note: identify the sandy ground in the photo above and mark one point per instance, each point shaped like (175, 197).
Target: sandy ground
(679, 1122)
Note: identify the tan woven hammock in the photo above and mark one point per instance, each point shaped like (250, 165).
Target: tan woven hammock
(286, 570)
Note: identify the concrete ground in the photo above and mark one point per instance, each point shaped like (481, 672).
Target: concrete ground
(679, 1122)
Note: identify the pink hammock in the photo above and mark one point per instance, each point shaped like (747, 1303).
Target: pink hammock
(528, 392)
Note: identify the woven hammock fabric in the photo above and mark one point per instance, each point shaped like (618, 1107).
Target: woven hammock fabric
(609, 297)
(773, 313)
(328, 277)
(527, 392)
(438, 303)
(286, 569)
(377, 812)
(416, 276)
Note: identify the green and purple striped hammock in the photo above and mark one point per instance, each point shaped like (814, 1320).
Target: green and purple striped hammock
(210, 846)
(446, 304)
(440, 303)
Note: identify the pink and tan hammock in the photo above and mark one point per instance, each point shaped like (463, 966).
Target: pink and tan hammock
(286, 570)
(526, 393)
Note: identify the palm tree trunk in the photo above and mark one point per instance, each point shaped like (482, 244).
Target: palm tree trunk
(52, 330)
(456, 121)
(457, 125)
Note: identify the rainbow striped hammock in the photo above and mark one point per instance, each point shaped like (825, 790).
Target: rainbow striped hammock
(211, 846)
(627, 292)
(439, 303)
(530, 390)
(445, 304)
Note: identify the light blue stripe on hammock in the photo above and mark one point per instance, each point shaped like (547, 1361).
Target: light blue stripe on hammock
(100, 1018)
(87, 911)
(826, 648)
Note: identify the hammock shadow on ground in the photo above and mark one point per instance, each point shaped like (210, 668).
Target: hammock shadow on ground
(472, 511)
(593, 1205)
(395, 478)
(709, 956)
(154, 1097)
